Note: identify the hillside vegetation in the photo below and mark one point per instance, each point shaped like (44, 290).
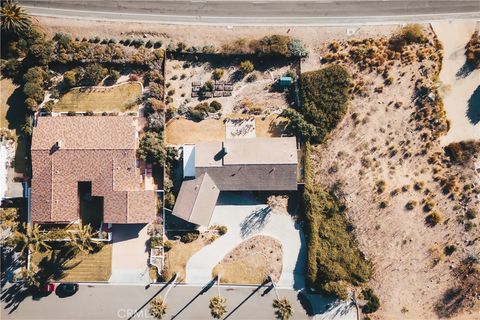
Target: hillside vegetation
(324, 98)
(334, 261)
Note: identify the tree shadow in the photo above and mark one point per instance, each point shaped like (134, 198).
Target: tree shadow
(56, 264)
(255, 221)
(17, 110)
(473, 111)
(14, 295)
(465, 70)
(246, 299)
(204, 290)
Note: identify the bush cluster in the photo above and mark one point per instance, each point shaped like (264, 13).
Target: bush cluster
(201, 110)
(473, 50)
(275, 45)
(324, 98)
(334, 259)
(462, 152)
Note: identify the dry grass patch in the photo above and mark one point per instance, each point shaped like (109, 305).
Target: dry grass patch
(271, 126)
(251, 261)
(118, 98)
(177, 257)
(180, 131)
(7, 88)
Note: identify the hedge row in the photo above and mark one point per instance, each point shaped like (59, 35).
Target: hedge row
(334, 260)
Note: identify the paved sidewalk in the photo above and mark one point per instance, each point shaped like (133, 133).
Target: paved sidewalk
(111, 301)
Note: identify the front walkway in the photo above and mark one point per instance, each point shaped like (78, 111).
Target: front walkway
(245, 218)
(129, 255)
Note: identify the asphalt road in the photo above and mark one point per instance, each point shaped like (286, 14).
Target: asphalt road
(107, 302)
(259, 12)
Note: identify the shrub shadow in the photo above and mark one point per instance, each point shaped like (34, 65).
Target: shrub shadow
(473, 109)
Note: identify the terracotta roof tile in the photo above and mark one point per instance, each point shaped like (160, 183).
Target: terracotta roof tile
(101, 150)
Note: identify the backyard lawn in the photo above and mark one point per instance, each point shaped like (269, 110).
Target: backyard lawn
(82, 267)
(119, 98)
(6, 88)
(180, 131)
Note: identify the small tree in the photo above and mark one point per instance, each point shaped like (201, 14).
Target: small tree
(152, 148)
(215, 105)
(218, 307)
(246, 66)
(70, 78)
(218, 74)
(158, 308)
(155, 122)
(283, 309)
(81, 240)
(373, 302)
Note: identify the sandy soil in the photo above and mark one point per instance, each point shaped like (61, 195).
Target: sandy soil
(457, 89)
(181, 74)
(180, 131)
(251, 261)
(379, 140)
(202, 35)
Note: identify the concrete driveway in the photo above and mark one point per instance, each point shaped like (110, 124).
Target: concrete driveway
(129, 255)
(244, 219)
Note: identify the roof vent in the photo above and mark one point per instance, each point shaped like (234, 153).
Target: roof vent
(59, 144)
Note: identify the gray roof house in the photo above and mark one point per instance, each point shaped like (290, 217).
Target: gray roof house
(253, 164)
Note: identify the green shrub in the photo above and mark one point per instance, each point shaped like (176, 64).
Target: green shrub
(215, 105)
(152, 148)
(450, 249)
(222, 230)
(246, 67)
(189, 237)
(332, 253)
(70, 78)
(471, 214)
(337, 289)
(373, 302)
(411, 204)
(34, 91)
(217, 73)
(462, 152)
(433, 218)
(167, 245)
(324, 97)
(298, 125)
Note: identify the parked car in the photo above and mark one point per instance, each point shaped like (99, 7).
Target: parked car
(67, 289)
(47, 288)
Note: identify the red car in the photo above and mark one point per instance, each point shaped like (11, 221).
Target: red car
(48, 288)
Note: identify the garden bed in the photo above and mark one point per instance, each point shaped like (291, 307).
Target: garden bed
(120, 98)
(251, 262)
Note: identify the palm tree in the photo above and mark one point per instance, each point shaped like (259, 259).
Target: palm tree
(218, 306)
(158, 308)
(13, 17)
(82, 241)
(32, 239)
(283, 309)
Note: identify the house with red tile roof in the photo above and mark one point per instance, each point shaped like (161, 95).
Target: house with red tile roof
(93, 156)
